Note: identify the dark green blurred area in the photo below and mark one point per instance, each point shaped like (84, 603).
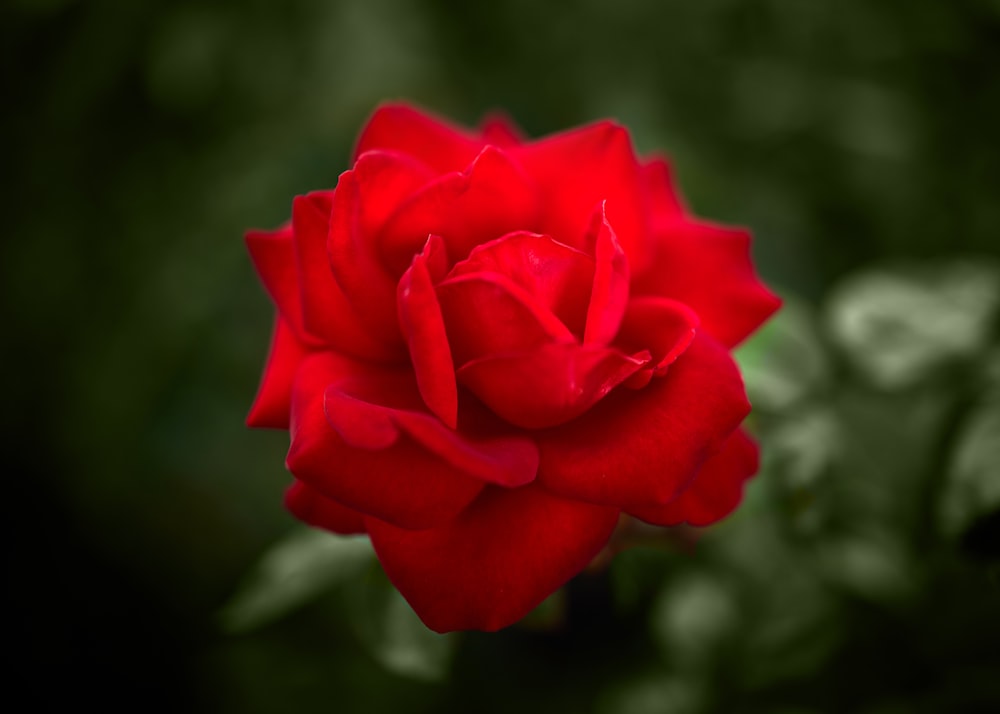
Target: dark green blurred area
(858, 140)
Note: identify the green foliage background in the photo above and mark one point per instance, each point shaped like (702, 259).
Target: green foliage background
(857, 139)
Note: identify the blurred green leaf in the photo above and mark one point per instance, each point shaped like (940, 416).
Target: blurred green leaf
(873, 566)
(549, 615)
(691, 617)
(785, 361)
(972, 488)
(887, 467)
(792, 635)
(802, 448)
(654, 694)
(296, 570)
(897, 324)
(637, 573)
(392, 633)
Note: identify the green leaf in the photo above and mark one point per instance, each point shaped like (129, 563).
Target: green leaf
(392, 633)
(785, 361)
(872, 565)
(803, 448)
(293, 572)
(898, 324)
(972, 488)
(549, 615)
(654, 693)
(692, 616)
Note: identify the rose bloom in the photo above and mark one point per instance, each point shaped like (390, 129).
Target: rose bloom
(488, 350)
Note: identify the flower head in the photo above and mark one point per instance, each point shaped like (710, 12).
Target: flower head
(487, 349)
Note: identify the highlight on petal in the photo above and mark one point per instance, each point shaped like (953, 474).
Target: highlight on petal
(272, 405)
(432, 140)
(556, 276)
(639, 448)
(327, 313)
(381, 471)
(576, 170)
(609, 293)
(488, 314)
(496, 561)
(423, 326)
(493, 196)
(549, 385)
(314, 509)
(708, 268)
(715, 492)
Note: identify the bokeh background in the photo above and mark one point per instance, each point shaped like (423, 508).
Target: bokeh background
(858, 139)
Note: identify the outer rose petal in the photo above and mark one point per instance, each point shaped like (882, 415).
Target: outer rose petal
(273, 403)
(273, 255)
(665, 203)
(641, 448)
(327, 313)
(493, 196)
(578, 169)
(314, 509)
(550, 385)
(402, 482)
(358, 205)
(500, 130)
(715, 491)
(353, 410)
(496, 561)
(430, 139)
(709, 269)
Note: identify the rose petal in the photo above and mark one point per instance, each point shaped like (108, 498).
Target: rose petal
(274, 396)
(549, 385)
(638, 448)
(665, 327)
(576, 170)
(430, 139)
(709, 269)
(364, 196)
(487, 314)
(500, 130)
(422, 324)
(314, 509)
(273, 256)
(385, 180)
(663, 198)
(609, 293)
(715, 491)
(496, 561)
(327, 313)
(402, 483)
(554, 274)
(359, 411)
(492, 197)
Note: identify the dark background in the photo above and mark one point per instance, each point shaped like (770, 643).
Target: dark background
(140, 140)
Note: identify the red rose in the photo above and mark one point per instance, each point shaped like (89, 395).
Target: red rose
(488, 349)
